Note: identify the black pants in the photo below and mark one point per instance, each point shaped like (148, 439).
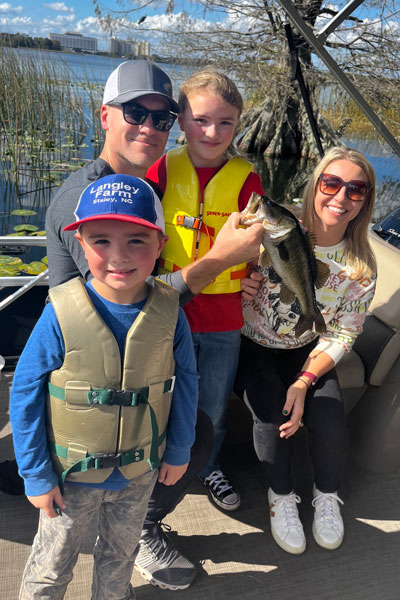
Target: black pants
(165, 497)
(263, 378)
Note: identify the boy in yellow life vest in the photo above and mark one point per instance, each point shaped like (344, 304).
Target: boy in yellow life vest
(104, 397)
(203, 182)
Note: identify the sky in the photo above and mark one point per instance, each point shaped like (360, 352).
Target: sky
(40, 18)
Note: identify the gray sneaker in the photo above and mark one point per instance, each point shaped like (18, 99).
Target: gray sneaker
(161, 563)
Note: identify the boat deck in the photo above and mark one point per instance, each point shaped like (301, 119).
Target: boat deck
(235, 553)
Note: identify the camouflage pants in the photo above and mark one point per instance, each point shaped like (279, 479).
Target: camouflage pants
(58, 541)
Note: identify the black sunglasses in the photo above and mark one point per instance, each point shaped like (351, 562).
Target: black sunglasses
(358, 191)
(135, 114)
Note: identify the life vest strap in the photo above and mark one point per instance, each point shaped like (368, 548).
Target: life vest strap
(111, 396)
(99, 460)
(239, 274)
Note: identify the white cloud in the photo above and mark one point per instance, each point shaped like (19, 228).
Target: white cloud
(59, 21)
(88, 26)
(58, 7)
(5, 7)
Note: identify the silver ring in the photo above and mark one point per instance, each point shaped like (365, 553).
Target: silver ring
(301, 423)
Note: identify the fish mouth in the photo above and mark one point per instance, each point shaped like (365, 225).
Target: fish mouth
(249, 218)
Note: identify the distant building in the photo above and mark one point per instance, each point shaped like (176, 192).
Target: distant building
(129, 47)
(75, 41)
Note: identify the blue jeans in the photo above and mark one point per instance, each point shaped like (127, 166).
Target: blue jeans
(217, 355)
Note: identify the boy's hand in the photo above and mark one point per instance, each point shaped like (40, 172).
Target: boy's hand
(169, 474)
(46, 502)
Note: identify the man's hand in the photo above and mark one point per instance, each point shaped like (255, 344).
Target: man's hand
(47, 501)
(169, 474)
(250, 285)
(234, 245)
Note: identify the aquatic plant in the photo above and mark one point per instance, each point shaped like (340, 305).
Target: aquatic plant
(44, 119)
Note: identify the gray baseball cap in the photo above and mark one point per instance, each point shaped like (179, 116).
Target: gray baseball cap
(135, 78)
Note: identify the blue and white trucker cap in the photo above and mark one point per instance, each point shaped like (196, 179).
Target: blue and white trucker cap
(119, 198)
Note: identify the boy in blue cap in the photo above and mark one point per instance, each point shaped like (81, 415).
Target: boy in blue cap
(92, 403)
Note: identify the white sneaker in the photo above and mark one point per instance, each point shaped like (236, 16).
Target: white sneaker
(328, 528)
(286, 527)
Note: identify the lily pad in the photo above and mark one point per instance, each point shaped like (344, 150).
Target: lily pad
(10, 261)
(26, 227)
(34, 268)
(45, 260)
(23, 212)
(17, 234)
(6, 271)
(40, 233)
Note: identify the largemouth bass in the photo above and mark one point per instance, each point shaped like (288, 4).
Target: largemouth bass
(290, 251)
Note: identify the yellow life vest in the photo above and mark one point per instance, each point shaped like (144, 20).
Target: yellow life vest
(185, 222)
(103, 414)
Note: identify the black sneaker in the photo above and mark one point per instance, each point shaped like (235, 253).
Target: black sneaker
(10, 481)
(161, 563)
(222, 491)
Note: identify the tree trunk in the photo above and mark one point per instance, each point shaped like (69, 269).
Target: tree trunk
(280, 127)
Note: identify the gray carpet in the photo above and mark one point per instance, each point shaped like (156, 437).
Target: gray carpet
(235, 553)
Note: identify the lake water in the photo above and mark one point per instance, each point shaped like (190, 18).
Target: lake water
(282, 179)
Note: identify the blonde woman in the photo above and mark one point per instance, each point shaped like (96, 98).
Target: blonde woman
(287, 381)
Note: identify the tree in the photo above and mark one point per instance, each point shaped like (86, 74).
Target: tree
(247, 39)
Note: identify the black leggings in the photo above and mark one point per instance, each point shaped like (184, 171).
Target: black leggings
(165, 497)
(263, 377)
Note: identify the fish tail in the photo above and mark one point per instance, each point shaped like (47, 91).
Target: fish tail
(304, 324)
(320, 326)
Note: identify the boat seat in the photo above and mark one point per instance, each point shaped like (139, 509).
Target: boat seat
(370, 374)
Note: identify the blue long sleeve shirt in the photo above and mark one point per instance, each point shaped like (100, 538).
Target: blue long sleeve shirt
(44, 352)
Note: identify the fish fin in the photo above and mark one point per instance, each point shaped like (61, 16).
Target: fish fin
(319, 323)
(264, 259)
(303, 324)
(286, 295)
(323, 273)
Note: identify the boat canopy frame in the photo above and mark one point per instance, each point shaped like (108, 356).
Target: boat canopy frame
(317, 40)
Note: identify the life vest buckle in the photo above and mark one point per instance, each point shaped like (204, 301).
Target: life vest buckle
(106, 461)
(189, 222)
(120, 397)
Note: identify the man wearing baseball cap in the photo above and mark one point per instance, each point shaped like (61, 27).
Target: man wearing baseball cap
(94, 418)
(137, 113)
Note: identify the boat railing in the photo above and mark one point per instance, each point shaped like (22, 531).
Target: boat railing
(23, 282)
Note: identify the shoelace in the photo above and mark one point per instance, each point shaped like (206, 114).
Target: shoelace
(325, 503)
(161, 547)
(288, 502)
(219, 482)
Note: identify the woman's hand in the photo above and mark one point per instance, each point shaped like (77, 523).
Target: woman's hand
(294, 406)
(250, 285)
